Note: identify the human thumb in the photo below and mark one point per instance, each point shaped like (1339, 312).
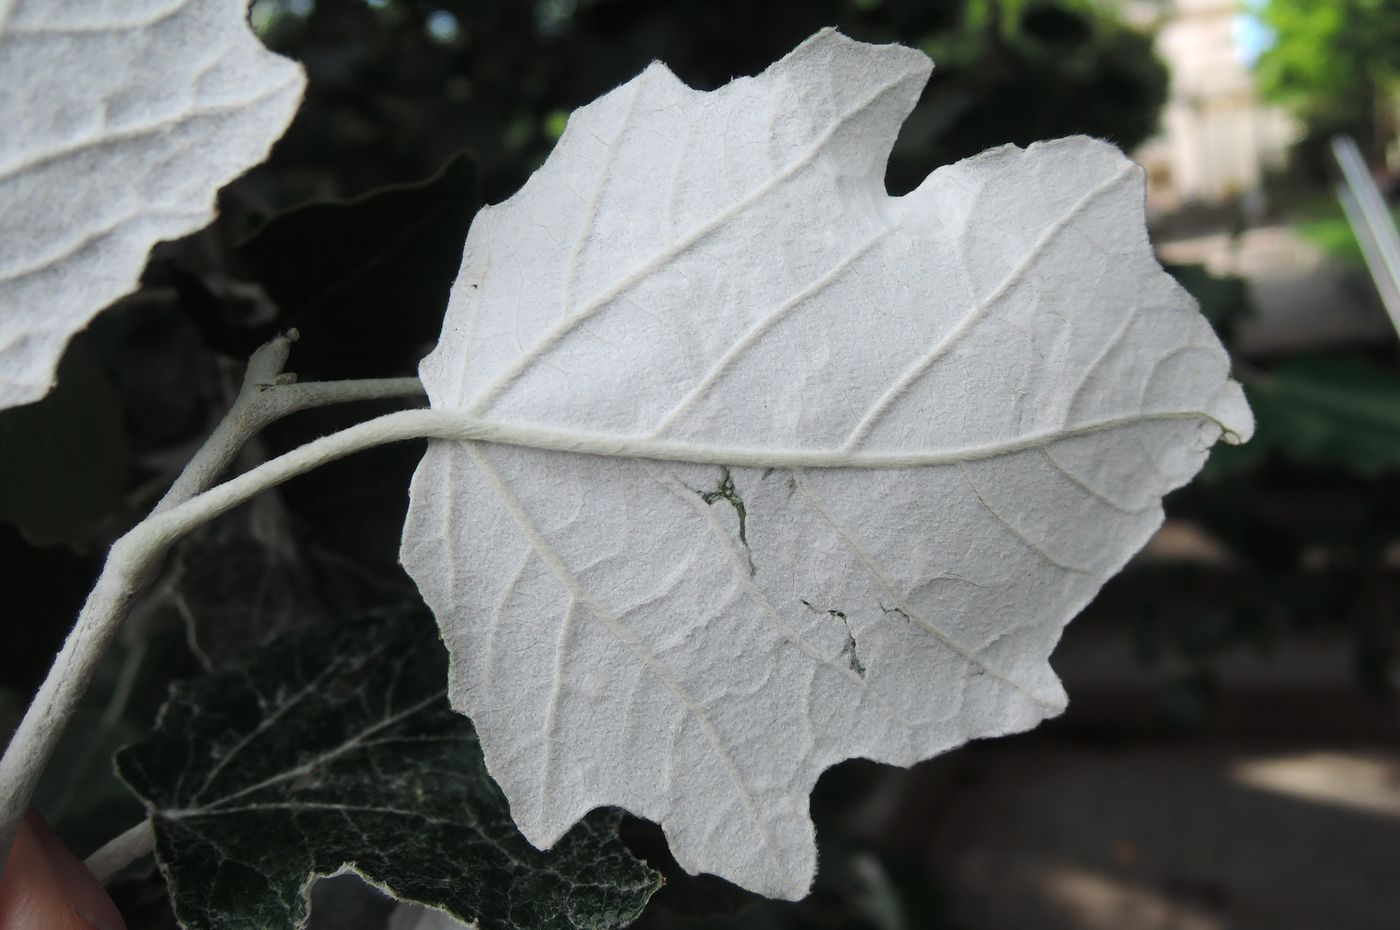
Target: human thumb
(46, 887)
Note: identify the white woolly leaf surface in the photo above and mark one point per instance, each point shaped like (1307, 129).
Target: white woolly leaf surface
(946, 418)
(119, 120)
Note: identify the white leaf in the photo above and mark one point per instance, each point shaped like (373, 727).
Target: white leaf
(854, 460)
(119, 120)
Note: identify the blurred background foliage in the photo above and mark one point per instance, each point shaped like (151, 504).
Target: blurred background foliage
(418, 111)
(1337, 64)
(400, 86)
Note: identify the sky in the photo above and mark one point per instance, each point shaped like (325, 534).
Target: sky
(1252, 37)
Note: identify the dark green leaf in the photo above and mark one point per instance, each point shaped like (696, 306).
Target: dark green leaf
(63, 459)
(366, 281)
(79, 794)
(334, 750)
(1328, 411)
(236, 583)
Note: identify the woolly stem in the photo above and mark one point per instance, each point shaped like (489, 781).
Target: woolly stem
(266, 395)
(121, 851)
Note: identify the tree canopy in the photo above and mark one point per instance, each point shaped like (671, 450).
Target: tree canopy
(1336, 63)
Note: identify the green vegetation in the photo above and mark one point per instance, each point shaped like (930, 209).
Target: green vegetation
(1336, 64)
(1326, 227)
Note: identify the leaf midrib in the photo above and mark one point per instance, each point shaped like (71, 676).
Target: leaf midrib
(460, 426)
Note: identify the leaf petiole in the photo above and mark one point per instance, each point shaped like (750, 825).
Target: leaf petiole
(266, 396)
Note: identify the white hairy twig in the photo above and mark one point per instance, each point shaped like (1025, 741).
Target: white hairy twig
(122, 850)
(267, 394)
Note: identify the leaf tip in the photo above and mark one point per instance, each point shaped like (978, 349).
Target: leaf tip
(1231, 411)
(831, 44)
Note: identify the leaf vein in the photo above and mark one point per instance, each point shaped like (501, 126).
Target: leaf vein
(805, 491)
(764, 325)
(628, 637)
(901, 385)
(741, 574)
(1015, 530)
(552, 336)
(142, 132)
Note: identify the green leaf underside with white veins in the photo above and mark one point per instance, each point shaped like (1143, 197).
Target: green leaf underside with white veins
(805, 472)
(119, 123)
(337, 751)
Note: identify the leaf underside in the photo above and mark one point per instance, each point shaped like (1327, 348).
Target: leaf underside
(337, 751)
(120, 122)
(865, 456)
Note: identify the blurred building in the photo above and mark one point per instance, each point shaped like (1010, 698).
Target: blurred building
(1218, 139)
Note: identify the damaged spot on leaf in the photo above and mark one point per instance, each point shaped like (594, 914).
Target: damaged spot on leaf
(726, 492)
(848, 650)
